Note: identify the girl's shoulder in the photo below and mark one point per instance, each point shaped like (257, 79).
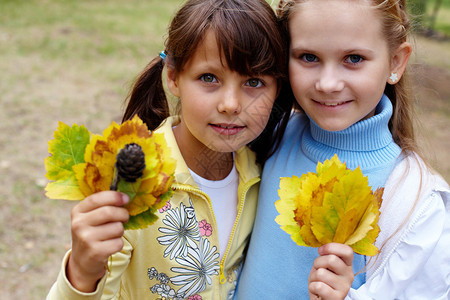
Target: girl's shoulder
(411, 173)
(412, 193)
(414, 221)
(411, 185)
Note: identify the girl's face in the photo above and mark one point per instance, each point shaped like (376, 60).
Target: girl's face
(339, 61)
(220, 109)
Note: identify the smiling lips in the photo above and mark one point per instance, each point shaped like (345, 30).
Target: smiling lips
(331, 103)
(227, 129)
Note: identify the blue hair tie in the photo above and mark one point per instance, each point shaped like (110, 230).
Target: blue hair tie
(163, 55)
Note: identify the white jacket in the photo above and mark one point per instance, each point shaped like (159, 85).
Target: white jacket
(414, 262)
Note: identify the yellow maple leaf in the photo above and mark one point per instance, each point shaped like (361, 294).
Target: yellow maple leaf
(335, 204)
(97, 173)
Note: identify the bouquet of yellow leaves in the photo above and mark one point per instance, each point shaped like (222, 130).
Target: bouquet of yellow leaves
(335, 204)
(128, 158)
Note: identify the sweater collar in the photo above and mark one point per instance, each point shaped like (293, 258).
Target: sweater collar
(370, 135)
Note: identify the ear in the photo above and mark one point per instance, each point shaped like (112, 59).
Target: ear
(172, 83)
(399, 62)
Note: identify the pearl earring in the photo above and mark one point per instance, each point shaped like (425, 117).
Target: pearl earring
(393, 77)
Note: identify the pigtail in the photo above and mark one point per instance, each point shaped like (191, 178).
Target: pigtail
(147, 99)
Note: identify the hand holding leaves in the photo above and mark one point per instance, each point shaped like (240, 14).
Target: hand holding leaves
(333, 205)
(82, 164)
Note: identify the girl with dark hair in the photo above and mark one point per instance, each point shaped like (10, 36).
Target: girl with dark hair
(225, 61)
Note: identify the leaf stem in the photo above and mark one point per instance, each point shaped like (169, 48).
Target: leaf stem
(116, 179)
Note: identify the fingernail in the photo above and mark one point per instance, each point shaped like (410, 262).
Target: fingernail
(320, 250)
(125, 198)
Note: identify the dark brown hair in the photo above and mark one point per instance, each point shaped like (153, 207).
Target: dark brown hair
(249, 38)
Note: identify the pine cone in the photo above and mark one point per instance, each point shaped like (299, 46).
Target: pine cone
(130, 162)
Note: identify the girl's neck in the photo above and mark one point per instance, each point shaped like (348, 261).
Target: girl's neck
(367, 143)
(206, 163)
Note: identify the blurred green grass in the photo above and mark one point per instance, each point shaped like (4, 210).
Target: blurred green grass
(63, 60)
(85, 30)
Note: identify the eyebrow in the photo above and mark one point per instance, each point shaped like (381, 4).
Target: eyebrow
(359, 50)
(346, 51)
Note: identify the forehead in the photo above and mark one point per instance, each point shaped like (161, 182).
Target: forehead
(207, 52)
(208, 44)
(335, 21)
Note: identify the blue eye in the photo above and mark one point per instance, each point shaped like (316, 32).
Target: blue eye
(254, 82)
(208, 78)
(308, 57)
(354, 59)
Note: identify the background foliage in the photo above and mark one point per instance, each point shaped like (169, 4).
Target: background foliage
(431, 16)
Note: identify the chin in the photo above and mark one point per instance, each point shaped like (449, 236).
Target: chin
(333, 126)
(225, 148)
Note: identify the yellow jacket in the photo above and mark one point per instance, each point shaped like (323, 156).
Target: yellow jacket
(171, 259)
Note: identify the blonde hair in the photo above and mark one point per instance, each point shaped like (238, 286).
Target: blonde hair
(396, 29)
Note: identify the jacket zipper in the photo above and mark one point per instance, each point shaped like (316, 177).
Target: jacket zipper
(247, 185)
(187, 188)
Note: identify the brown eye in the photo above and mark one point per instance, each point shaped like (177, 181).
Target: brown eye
(254, 82)
(208, 78)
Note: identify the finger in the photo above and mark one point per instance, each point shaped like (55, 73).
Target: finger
(331, 262)
(328, 285)
(108, 231)
(320, 290)
(113, 245)
(102, 250)
(106, 214)
(323, 275)
(333, 270)
(94, 243)
(83, 223)
(104, 198)
(339, 282)
(345, 252)
(314, 296)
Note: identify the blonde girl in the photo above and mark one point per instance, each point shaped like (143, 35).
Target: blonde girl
(347, 70)
(225, 61)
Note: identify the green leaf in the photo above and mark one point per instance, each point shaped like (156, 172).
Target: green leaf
(128, 188)
(66, 150)
(141, 220)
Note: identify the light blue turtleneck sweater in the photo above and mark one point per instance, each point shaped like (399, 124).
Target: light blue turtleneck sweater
(276, 267)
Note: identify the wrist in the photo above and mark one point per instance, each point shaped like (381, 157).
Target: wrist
(82, 281)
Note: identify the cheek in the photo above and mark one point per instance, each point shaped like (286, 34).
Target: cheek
(300, 78)
(369, 86)
(294, 74)
(258, 115)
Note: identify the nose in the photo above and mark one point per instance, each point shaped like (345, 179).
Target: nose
(230, 101)
(330, 80)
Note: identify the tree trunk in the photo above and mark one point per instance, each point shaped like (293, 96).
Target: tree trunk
(418, 9)
(437, 5)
